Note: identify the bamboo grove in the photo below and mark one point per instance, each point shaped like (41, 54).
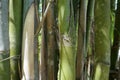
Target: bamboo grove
(59, 39)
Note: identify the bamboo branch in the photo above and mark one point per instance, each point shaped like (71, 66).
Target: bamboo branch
(12, 57)
(43, 18)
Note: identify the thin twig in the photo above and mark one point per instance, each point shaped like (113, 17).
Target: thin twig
(17, 57)
(43, 19)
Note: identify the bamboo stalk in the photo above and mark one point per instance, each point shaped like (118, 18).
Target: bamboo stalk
(43, 50)
(67, 42)
(51, 46)
(90, 38)
(102, 40)
(116, 40)
(15, 33)
(81, 48)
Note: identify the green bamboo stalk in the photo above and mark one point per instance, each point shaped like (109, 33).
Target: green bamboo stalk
(115, 47)
(81, 47)
(4, 41)
(102, 39)
(90, 19)
(116, 40)
(15, 33)
(76, 22)
(112, 17)
(67, 40)
(28, 42)
(89, 37)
